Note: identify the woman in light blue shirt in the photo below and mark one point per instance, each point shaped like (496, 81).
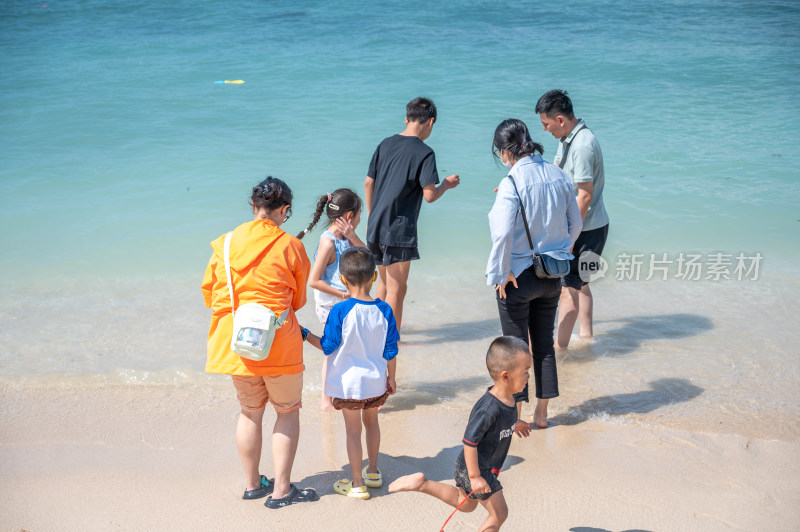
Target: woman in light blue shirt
(528, 304)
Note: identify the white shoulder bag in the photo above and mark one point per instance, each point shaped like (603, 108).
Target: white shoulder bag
(254, 325)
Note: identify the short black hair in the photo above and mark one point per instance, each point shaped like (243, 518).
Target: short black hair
(501, 353)
(420, 110)
(555, 102)
(357, 265)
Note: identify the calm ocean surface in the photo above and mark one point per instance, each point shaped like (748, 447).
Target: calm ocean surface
(122, 159)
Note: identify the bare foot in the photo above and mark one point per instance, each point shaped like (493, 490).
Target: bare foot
(408, 483)
(541, 423)
(540, 418)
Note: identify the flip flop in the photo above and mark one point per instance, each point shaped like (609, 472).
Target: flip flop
(345, 487)
(264, 489)
(372, 480)
(295, 496)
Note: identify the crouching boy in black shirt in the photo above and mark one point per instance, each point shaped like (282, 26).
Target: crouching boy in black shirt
(487, 438)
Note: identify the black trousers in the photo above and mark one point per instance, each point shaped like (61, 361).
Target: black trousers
(531, 310)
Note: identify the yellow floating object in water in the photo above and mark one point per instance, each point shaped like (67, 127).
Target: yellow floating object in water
(235, 81)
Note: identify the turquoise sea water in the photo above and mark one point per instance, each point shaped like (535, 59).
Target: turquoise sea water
(120, 159)
(120, 155)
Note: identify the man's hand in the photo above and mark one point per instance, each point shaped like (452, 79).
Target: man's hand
(391, 386)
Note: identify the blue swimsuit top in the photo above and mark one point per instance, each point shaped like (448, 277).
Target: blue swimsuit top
(331, 273)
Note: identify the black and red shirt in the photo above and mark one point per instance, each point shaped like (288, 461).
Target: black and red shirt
(490, 427)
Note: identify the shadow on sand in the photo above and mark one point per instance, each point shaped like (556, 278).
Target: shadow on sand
(442, 466)
(454, 332)
(615, 342)
(663, 392)
(634, 331)
(432, 393)
(439, 468)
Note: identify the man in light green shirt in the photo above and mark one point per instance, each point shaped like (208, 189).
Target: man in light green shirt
(580, 156)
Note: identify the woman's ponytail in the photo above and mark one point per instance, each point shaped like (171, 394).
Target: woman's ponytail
(512, 136)
(529, 147)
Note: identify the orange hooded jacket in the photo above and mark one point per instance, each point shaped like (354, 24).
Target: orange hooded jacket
(270, 267)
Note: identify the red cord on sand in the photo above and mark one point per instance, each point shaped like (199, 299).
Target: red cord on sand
(454, 511)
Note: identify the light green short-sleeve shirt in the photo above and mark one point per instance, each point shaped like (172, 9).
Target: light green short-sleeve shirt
(585, 165)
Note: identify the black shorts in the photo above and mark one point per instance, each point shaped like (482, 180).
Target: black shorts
(593, 240)
(462, 481)
(386, 255)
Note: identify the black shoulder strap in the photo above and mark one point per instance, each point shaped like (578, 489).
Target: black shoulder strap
(524, 218)
(563, 160)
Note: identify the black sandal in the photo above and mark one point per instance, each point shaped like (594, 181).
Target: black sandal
(295, 496)
(262, 490)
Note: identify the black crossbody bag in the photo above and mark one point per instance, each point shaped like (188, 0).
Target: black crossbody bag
(545, 266)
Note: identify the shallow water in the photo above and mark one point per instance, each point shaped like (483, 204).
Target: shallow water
(672, 354)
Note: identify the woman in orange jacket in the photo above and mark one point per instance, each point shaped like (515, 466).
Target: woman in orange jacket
(270, 267)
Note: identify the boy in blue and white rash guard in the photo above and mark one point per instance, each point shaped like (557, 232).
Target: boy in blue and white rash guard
(360, 340)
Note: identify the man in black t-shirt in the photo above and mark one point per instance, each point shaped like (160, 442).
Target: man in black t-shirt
(487, 438)
(402, 172)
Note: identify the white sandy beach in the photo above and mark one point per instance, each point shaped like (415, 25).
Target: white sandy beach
(163, 458)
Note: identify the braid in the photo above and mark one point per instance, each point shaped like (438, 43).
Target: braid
(323, 200)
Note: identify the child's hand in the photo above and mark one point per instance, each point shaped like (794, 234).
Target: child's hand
(479, 485)
(391, 386)
(522, 429)
(346, 227)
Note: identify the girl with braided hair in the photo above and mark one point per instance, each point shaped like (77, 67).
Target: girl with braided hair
(343, 209)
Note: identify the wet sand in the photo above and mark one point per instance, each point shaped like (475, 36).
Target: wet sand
(163, 457)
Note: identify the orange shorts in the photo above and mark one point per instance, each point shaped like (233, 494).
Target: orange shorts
(285, 392)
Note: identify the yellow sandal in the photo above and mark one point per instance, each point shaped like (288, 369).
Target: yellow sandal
(372, 480)
(345, 487)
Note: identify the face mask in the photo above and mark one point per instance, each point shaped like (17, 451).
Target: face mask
(508, 164)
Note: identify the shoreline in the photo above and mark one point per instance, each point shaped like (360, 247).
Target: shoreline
(680, 355)
(137, 457)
